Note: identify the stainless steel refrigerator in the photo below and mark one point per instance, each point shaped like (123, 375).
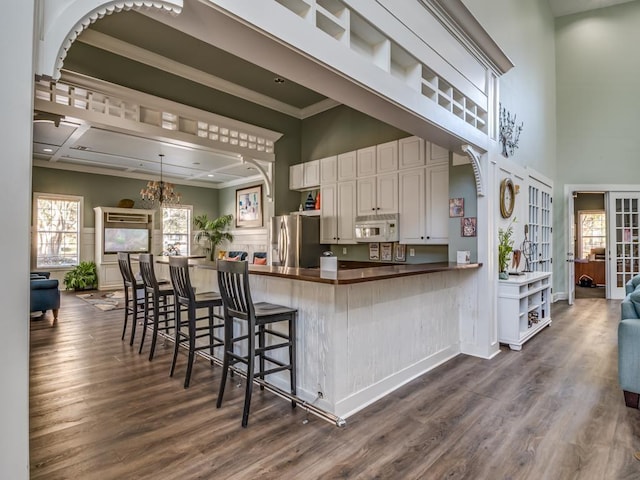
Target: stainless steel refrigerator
(295, 241)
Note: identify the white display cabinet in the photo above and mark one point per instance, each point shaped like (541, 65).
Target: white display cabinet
(120, 229)
(524, 307)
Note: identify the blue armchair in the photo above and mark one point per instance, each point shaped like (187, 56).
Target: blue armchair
(45, 294)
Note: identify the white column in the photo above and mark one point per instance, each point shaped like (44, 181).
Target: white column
(16, 101)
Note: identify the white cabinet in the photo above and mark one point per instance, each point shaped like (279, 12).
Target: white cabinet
(377, 159)
(412, 206)
(387, 157)
(296, 173)
(304, 176)
(411, 152)
(437, 204)
(378, 194)
(328, 170)
(347, 166)
(424, 205)
(337, 212)
(524, 303)
(366, 161)
(436, 155)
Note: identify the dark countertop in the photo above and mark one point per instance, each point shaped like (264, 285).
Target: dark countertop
(351, 275)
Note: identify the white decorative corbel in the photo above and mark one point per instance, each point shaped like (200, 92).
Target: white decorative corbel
(474, 157)
(61, 22)
(268, 182)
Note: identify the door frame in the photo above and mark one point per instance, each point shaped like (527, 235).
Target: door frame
(569, 241)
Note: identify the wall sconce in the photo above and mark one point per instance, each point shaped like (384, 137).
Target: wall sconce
(509, 132)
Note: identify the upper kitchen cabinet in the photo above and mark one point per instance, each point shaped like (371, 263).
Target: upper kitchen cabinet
(347, 166)
(411, 152)
(387, 157)
(436, 155)
(328, 170)
(366, 161)
(424, 205)
(304, 176)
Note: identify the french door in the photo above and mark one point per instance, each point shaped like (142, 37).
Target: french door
(540, 225)
(624, 254)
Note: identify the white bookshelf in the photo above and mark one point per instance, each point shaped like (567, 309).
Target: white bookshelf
(524, 307)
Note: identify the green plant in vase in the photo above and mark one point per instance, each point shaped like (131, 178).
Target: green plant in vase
(83, 277)
(505, 247)
(212, 232)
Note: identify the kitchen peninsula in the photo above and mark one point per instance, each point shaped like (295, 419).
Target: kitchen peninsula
(367, 331)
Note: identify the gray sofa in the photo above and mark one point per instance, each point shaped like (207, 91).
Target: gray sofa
(629, 343)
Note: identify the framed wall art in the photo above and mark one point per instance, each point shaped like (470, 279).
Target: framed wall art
(374, 251)
(386, 252)
(399, 253)
(468, 226)
(249, 207)
(456, 207)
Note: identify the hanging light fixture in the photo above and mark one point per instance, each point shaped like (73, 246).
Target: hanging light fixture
(160, 192)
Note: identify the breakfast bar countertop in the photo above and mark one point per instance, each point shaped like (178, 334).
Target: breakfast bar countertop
(351, 275)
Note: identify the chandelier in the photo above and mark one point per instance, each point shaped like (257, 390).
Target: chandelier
(160, 192)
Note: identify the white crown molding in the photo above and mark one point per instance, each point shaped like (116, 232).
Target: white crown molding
(317, 108)
(459, 21)
(60, 23)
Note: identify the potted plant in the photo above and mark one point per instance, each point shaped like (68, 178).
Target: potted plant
(505, 247)
(212, 233)
(83, 277)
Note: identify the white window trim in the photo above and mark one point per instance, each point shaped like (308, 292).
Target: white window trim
(579, 222)
(34, 226)
(190, 226)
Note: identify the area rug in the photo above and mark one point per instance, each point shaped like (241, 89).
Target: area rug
(104, 300)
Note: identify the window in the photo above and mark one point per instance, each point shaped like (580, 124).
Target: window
(176, 230)
(57, 230)
(592, 231)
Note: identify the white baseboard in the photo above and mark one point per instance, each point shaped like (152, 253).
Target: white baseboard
(365, 397)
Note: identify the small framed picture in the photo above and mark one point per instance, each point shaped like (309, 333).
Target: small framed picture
(456, 207)
(399, 253)
(374, 251)
(468, 226)
(386, 252)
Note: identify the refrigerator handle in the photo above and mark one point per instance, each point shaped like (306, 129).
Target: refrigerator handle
(282, 250)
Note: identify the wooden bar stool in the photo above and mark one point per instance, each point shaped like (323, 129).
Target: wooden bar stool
(185, 296)
(233, 280)
(133, 295)
(158, 302)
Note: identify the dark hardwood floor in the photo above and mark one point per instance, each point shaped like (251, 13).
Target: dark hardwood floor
(552, 411)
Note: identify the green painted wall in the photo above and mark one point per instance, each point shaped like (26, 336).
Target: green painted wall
(462, 184)
(341, 130)
(106, 191)
(598, 105)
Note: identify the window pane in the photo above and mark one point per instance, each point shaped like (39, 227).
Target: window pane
(592, 232)
(57, 232)
(176, 230)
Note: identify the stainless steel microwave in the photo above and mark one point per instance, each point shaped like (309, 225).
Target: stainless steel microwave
(377, 228)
